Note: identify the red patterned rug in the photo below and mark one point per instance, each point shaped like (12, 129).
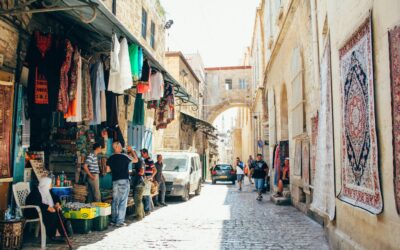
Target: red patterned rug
(394, 43)
(360, 175)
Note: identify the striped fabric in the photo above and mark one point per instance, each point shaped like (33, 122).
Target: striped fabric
(92, 163)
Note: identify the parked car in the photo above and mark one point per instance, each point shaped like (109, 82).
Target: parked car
(223, 172)
(182, 171)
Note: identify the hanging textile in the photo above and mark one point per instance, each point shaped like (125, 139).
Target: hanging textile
(143, 85)
(75, 107)
(112, 104)
(125, 77)
(103, 109)
(324, 190)
(394, 42)
(360, 175)
(134, 60)
(113, 83)
(277, 165)
(26, 125)
(165, 113)
(156, 84)
(6, 117)
(73, 79)
(140, 58)
(63, 100)
(138, 112)
(44, 61)
(87, 101)
(98, 85)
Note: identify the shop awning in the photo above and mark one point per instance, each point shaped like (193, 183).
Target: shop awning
(97, 34)
(204, 126)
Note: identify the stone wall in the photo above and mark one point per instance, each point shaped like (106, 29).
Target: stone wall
(353, 228)
(129, 12)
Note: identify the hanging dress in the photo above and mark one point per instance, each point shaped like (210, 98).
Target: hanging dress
(63, 100)
(125, 77)
(113, 82)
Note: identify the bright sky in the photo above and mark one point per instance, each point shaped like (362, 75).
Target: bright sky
(219, 29)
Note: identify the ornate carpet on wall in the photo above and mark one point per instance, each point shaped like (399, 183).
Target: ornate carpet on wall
(297, 158)
(305, 163)
(394, 42)
(313, 151)
(359, 149)
(6, 109)
(324, 184)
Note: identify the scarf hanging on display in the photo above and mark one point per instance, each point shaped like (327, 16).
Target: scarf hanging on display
(139, 112)
(75, 108)
(87, 101)
(63, 100)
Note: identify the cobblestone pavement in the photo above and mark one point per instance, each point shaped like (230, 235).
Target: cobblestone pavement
(220, 218)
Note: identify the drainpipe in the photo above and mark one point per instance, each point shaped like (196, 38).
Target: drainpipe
(314, 28)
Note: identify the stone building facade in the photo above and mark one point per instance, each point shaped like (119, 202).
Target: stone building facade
(180, 135)
(296, 35)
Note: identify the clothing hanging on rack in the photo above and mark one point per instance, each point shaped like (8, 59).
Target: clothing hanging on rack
(87, 101)
(156, 84)
(138, 112)
(63, 100)
(76, 103)
(98, 85)
(134, 60)
(143, 85)
(113, 83)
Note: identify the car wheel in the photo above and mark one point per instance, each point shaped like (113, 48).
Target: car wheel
(198, 190)
(186, 195)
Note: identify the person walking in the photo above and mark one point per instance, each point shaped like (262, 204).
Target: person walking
(149, 173)
(259, 170)
(159, 177)
(239, 172)
(118, 165)
(249, 163)
(137, 185)
(91, 167)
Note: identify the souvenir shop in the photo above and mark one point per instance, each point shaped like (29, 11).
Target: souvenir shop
(60, 93)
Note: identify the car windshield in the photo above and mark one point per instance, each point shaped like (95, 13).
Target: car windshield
(175, 164)
(223, 167)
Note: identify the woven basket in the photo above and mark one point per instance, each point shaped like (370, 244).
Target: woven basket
(11, 234)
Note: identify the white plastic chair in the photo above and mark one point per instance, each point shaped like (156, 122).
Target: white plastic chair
(21, 190)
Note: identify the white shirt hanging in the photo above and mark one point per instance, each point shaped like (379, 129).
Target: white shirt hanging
(156, 87)
(113, 82)
(125, 79)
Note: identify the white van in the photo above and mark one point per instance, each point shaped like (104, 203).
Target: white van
(182, 171)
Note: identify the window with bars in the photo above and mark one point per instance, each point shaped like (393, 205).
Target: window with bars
(228, 84)
(153, 35)
(144, 23)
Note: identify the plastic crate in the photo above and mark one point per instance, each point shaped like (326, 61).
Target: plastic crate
(100, 223)
(104, 209)
(11, 234)
(83, 213)
(81, 226)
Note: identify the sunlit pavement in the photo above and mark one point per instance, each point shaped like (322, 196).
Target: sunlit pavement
(220, 218)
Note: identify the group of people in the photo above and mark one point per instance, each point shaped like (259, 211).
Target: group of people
(255, 169)
(145, 173)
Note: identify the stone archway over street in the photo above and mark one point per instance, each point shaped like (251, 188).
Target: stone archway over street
(227, 87)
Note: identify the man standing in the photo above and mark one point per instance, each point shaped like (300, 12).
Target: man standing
(259, 170)
(249, 163)
(118, 164)
(137, 185)
(160, 198)
(91, 167)
(239, 172)
(149, 173)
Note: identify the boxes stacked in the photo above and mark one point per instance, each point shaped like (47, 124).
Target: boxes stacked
(100, 223)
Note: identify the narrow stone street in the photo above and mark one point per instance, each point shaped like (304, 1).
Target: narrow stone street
(220, 218)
